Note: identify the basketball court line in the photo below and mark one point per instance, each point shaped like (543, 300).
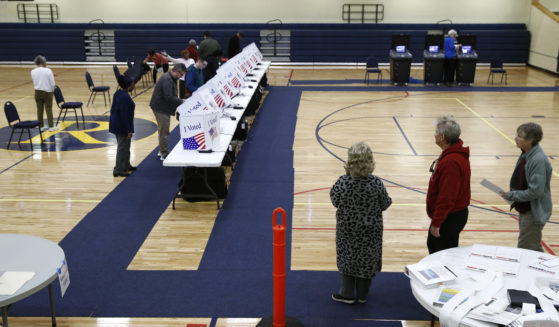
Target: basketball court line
(50, 200)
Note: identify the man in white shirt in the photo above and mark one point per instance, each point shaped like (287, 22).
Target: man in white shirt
(43, 82)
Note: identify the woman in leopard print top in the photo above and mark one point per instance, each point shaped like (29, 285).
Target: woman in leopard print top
(360, 199)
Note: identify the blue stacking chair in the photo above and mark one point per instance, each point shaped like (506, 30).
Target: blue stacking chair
(22, 126)
(96, 89)
(372, 68)
(496, 67)
(65, 106)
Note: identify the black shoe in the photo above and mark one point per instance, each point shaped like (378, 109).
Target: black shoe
(339, 298)
(132, 168)
(121, 174)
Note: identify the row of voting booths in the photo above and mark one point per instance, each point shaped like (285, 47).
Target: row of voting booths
(433, 59)
(199, 115)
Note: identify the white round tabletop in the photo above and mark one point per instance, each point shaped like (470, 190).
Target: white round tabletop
(455, 259)
(29, 253)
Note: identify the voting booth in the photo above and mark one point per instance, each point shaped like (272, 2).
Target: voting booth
(199, 125)
(400, 59)
(466, 60)
(433, 59)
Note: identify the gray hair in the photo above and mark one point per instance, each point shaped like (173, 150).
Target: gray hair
(192, 42)
(40, 60)
(450, 32)
(530, 132)
(360, 162)
(179, 68)
(447, 126)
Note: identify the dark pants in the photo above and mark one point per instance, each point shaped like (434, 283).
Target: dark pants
(211, 68)
(350, 284)
(450, 232)
(165, 69)
(182, 89)
(122, 154)
(449, 68)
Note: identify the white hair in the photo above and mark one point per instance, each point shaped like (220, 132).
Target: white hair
(450, 32)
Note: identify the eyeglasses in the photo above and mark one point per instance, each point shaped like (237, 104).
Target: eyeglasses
(433, 166)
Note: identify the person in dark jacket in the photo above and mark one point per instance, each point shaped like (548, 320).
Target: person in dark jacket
(210, 50)
(121, 123)
(360, 198)
(194, 78)
(448, 195)
(235, 44)
(164, 102)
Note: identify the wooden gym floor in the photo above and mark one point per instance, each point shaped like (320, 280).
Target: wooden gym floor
(47, 193)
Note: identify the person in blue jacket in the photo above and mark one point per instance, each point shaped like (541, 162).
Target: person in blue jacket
(194, 77)
(450, 47)
(121, 123)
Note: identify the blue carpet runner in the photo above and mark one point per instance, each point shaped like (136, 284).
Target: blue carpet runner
(235, 275)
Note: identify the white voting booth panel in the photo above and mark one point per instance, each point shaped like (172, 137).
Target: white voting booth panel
(229, 74)
(199, 125)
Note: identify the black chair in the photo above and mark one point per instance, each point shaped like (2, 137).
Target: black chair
(26, 125)
(65, 106)
(372, 68)
(496, 67)
(96, 89)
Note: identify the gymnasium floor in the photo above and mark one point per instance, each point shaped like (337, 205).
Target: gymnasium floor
(46, 193)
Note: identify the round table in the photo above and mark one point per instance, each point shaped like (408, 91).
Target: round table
(455, 259)
(29, 253)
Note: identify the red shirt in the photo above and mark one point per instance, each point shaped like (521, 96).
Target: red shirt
(158, 59)
(193, 53)
(449, 186)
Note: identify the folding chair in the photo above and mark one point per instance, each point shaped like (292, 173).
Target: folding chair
(372, 68)
(26, 125)
(96, 89)
(65, 106)
(496, 67)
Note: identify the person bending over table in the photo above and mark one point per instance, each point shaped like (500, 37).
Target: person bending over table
(121, 123)
(360, 198)
(448, 195)
(187, 62)
(164, 102)
(530, 187)
(159, 61)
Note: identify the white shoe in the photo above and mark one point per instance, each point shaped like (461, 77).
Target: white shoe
(52, 129)
(159, 154)
(44, 129)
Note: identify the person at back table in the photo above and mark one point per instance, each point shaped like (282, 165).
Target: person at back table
(164, 102)
(43, 82)
(235, 44)
(448, 195)
(159, 60)
(210, 50)
(530, 188)
(360, 198)
(121, 123)
(192, 49)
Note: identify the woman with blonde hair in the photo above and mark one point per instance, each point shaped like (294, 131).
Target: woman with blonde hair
(360, 198)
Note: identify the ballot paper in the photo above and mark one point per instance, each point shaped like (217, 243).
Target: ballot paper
(493, 188)
(11, 281)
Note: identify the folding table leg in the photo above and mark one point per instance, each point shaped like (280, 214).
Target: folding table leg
(53, 316)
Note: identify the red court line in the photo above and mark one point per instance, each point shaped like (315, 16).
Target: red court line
(554, 245)
(416, 230)
(327, 188)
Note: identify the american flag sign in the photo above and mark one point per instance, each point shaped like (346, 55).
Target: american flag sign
(195, 142)
(213, 132)
(219, 100)
(236, 82)
(228, 90)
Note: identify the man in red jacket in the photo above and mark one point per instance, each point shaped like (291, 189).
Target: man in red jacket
(448, 196)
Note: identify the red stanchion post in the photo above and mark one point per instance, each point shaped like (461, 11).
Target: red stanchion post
(279, 268)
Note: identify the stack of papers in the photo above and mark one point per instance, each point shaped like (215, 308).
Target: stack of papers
(430, 273)
(11, 281)
(495, 258)
(446, 294)
(486, 312)
(546, 263)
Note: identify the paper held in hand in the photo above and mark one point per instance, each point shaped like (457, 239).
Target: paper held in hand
(494, 188)
(431, 273)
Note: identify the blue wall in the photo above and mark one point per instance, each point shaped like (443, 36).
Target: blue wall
(309, 42)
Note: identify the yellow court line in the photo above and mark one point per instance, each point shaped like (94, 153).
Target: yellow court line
(493, 126)
(49, 200)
